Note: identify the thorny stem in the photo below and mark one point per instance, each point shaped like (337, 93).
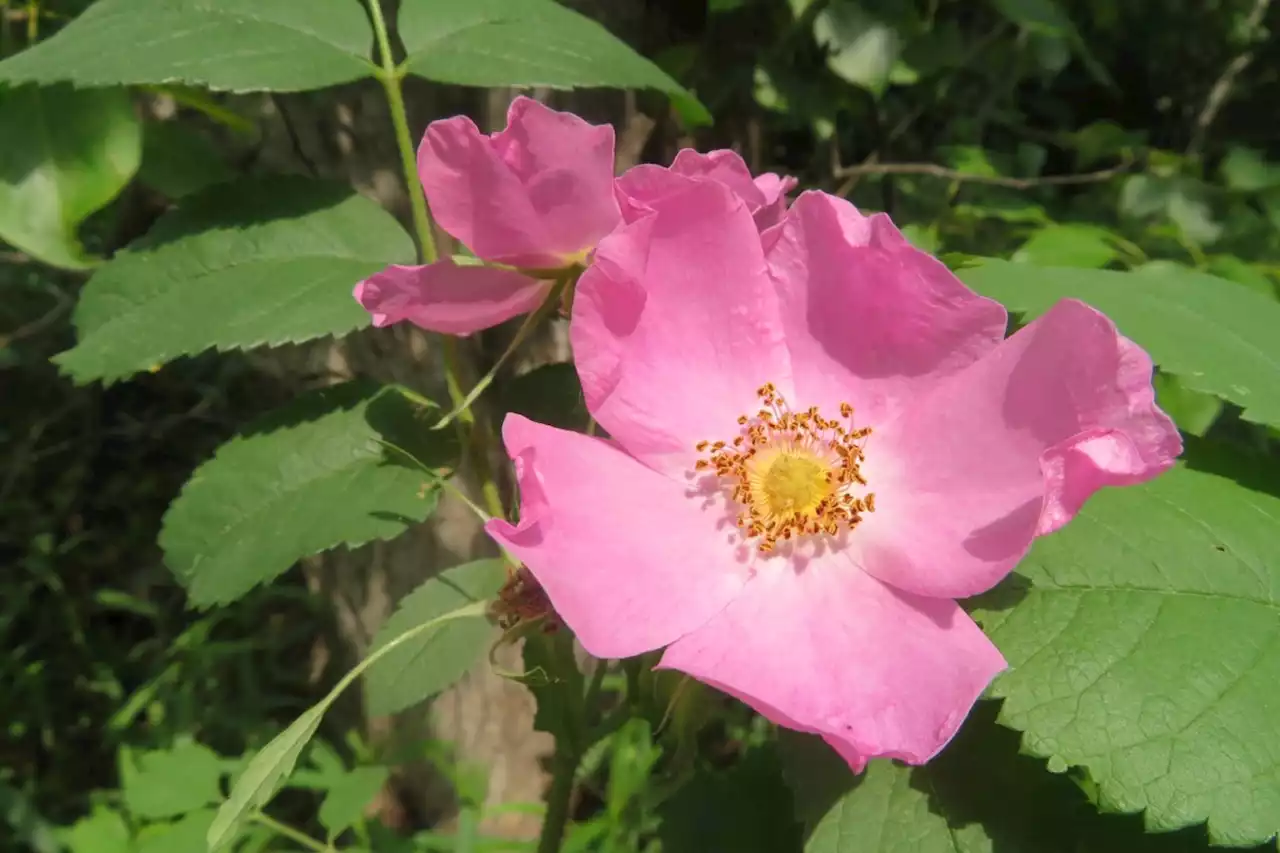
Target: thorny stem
(286, 831)
(468, 433)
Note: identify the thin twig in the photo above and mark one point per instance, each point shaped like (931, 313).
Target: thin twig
(36, 326)
(1222, 88)
(936, 171)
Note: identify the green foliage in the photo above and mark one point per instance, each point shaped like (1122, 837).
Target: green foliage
(1143, 646)
(178, 160)
(341, 466)
(63, 155)
(550, 394)
(1217, 338)
(433, 661)
(745, 809)
(347, 796)
(1087, 246)
(230, 45)
(526, 43)
(263, 776)
(149, 787)
(979, 796)
(272, 765)
(261, 261)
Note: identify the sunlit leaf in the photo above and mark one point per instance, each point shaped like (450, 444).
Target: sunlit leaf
(250, 263)
(314, 475)
(1145, 647)
(434, 660)
(63, 155)
(233, 45)
(1216, 336)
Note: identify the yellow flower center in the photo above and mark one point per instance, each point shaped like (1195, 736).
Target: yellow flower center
(792, 474)
(789, 481)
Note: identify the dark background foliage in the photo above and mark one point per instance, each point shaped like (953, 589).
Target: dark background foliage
(1077, 132)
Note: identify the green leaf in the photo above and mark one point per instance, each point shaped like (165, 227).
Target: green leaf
(172, 782)
(1242, 272)
(745, 809)
(186, 835)
(1085, 246)
(263, 776)
(230, 45)
(1245, 169)
(1046, 19)
(861, 48)
(28, 827)
(434, 660)
(268, 769)
(63, 155)
(979, 796)
(103, 831)
(315, 475)
(1193, 411)
(550, 394)
(526, 43)
(1145, 647)
(178, 160)
(1216, 336)
(348, 795)
(256, 262)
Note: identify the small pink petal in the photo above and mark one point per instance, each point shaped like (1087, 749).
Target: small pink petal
(641, 187)
(675, 326)
(629, 561)
(534, 194)
(455, 299)
(870, 319)
(725, 166)
(1007, 449)
(775, 189)
(824, 648)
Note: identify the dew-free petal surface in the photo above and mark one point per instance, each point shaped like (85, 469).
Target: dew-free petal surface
(454, 299)
(629, 561)
(675, 326)
(832, 651)
(1009, 448)
(870, 319)
(534, 194)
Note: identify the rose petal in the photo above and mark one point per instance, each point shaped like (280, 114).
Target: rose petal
(675, 327)
(869, 319)
(629, 560)
(775, 189)
(451, 298)
(726, 167)
(641, 187)
(536, 194)
(829, 650)
(1009, 448)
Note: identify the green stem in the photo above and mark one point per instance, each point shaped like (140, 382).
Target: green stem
(286, 831)
(565, 766)
(593, 688)
(390, 77)
(468, 429)
(530, 323)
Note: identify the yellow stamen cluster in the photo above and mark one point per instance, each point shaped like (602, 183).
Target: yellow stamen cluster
(792, 473)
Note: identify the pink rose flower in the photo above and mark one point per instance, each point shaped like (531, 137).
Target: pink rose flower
(815, 447)
(641, 187)
(538, 194)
